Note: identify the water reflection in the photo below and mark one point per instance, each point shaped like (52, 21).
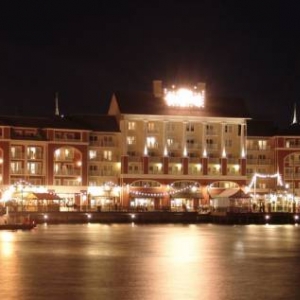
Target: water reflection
(131, 261)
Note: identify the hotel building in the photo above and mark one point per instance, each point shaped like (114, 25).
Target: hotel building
(167, 149)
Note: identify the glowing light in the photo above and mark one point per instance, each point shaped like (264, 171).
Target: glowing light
(236, 167)
(224, 153)
(165, 151)
(256, 175)
(185, 152)
(243, 154)
(145, 151)
(185, 98)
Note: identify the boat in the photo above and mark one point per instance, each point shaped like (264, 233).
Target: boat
(17, 226)
(8, 223)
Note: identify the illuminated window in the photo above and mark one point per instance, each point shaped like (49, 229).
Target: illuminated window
(262, 145)
(107, 155)
(131, 140)
(170, 142)
(151, 127)
(92, 154)
(34, 168)
(151, 142)
(131, 125)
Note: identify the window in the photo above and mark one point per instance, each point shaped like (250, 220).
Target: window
(131, 125)
(228, 143)
(228, 128)
(93, 138)
(151, 127)
(131, 140)
(107, 141)
(190, 143)
(92, 154)
(170, 142)
(151, 142)
(107, 155)
(190, 127)
(262, 145)
(209, 129)
(171, 127)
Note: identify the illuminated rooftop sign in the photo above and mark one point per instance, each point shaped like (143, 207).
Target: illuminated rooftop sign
(184, 97)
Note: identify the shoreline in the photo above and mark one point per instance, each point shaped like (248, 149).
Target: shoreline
(155, 217)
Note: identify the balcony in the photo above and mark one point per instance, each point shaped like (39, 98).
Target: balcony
(195, 146)
(233, 161)
(103, 144)
(214, 160)
(38, 156)
(67, 172)
(17, 155)
(175, 160)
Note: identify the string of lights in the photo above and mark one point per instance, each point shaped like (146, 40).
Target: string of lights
(169, 193)
(257, 175)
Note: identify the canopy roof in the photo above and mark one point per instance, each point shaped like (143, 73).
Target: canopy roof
(233, 194)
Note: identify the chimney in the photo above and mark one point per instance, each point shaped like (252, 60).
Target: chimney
(157, 88)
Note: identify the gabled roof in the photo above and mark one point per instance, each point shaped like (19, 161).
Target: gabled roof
(148, 104)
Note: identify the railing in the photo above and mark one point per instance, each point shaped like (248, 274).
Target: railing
(233, 161)
(67, 172)
(103, 144)
(18, 155)
(213, 160)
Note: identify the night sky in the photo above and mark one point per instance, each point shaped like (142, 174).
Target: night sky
(86, 50)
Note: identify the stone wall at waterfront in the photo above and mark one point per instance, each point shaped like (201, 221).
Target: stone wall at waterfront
(155, 217)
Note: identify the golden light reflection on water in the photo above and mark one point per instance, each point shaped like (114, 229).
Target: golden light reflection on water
(183, 264)
(7, 245)
(9, 266)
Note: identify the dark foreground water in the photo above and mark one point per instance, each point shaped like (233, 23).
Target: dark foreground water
(96, 261)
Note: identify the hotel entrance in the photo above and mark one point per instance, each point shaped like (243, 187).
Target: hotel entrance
(145, 204)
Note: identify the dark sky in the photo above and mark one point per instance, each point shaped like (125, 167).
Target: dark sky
(85, 50)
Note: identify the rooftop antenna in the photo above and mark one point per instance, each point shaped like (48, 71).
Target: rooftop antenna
(56, 104)
(295, 119)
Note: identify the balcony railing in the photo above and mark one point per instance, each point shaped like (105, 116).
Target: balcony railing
(67, 172)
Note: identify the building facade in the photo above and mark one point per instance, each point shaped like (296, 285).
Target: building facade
(152, 151)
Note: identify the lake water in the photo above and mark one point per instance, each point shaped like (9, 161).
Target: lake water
(127, 261)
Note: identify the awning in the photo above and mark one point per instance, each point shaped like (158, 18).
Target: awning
(233, 194)
(43, 196)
